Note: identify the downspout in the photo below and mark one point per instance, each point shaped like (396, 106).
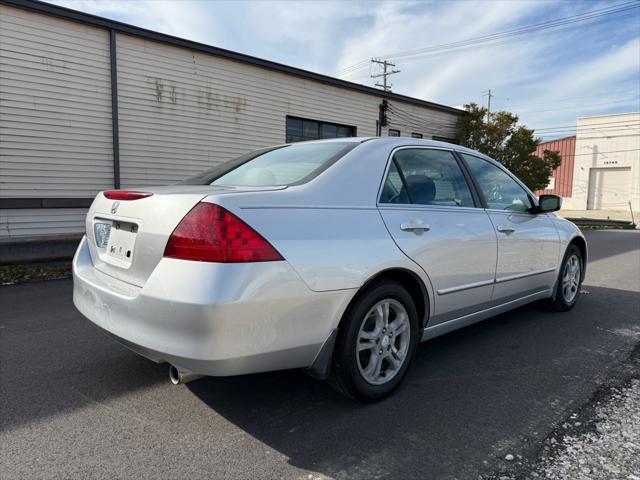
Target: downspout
(115, 129)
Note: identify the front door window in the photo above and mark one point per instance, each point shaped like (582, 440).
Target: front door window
(501, 192)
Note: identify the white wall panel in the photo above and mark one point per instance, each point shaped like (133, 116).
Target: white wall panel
(607, 142)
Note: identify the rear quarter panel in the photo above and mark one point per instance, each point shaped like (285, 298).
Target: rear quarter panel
(330, 248)
(329, 229)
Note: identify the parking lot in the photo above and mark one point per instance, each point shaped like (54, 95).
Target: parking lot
(76, 404)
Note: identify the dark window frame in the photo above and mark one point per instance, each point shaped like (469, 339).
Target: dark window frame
(389, 134)
(416, 135)
(352, 128)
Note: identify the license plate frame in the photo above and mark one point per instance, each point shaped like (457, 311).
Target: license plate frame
(121, 245)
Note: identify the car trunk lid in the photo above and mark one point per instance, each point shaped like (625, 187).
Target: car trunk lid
(127, 238)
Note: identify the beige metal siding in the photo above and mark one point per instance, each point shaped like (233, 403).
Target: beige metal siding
(50, 221)
(55, 118)
(55, 101)
(410, 119)
(181, 111)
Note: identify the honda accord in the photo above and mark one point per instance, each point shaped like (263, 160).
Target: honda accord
(336, 256)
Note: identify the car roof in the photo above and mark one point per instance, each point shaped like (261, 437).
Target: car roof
(399, 142)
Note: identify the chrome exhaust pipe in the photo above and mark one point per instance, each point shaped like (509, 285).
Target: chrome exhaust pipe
(178, 376)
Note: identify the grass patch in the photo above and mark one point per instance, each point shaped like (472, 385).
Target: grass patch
(10, 274)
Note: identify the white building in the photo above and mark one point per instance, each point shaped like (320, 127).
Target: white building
(88, 104)
(606, 173)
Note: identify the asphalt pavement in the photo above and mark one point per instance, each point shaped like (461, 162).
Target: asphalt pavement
(76, 404)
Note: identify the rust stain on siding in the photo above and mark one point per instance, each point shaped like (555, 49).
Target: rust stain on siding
(164, 91)
(159, 89)
(211, 100)
(53, 65)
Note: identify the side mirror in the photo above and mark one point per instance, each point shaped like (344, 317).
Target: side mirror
(549, 203)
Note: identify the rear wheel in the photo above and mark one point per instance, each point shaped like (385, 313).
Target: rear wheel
(376, 342)
(569, 281)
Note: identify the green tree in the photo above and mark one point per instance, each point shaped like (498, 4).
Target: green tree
(511, 144)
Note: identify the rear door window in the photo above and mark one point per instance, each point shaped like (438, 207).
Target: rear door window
(426, 177)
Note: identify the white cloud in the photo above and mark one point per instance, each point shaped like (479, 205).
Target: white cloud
(183, 18)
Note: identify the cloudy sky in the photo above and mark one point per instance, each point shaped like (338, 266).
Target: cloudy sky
(549, 76)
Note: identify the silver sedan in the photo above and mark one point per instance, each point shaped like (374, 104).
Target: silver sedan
(336, 256)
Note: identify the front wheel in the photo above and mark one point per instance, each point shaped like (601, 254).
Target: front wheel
(376, 342)
(569, 280)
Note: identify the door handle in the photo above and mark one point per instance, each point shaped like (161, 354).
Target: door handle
(506, 229)
(414, 227)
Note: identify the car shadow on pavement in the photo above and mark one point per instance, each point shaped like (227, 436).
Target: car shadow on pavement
(53, 361)
(30, 396)
(471, 396)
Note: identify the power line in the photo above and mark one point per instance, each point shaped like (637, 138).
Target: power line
(415, 121)
(492, 38)
(583, 106)
(611, 151)
(603, 134)
(600, 137)
(439, 49)
(615, 122)
(593, 131)
(597, 13)
(561, 135)
(568, 99)
(633, 128)
(596, 133)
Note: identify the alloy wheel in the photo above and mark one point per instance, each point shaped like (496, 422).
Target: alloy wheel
(383, 341)
(571, 278)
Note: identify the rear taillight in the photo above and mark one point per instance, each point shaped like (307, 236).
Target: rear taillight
(209, 233)
(125, 195)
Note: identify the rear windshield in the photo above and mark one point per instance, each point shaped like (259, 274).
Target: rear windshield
(279, 166)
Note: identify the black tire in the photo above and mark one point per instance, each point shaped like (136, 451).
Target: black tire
(346, 376)
(560, 303)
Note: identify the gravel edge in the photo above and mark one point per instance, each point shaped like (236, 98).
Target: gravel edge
(599, 440)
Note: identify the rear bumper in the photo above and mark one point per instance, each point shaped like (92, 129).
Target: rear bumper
(211, 318)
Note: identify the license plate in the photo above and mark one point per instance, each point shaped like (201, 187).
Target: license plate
(122, 238)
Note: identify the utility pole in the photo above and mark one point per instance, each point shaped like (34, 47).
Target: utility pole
(386, 86)
(488, 95)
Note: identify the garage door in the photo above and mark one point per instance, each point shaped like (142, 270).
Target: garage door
(609, 188)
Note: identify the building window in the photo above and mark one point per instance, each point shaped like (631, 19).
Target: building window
(301, 129)
(444, 139)
(416, 135)
(394, 133)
